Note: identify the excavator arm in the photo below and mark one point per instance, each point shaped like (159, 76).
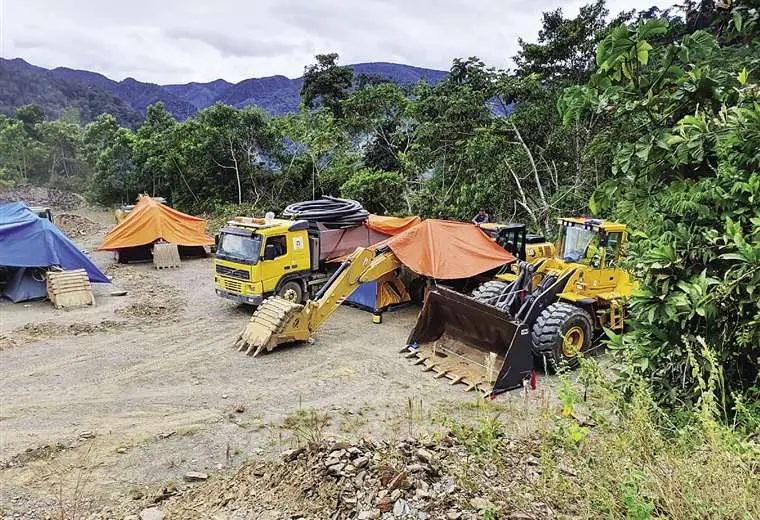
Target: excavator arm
(278, 320)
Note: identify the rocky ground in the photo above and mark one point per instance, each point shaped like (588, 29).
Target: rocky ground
(141, 402)
(411, 478)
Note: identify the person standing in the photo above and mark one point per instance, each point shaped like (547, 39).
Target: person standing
(481, 217)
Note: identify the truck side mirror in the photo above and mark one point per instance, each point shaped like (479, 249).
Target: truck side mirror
(269, 252)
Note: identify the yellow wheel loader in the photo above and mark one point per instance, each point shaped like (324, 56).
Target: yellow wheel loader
(561, 303)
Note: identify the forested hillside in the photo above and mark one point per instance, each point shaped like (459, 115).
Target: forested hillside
(90, 94)
(649, 117)
(22, 84)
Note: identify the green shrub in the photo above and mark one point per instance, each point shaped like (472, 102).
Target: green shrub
(379, 192)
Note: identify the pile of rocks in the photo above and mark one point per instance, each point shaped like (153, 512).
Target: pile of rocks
(75, 226)
(338, 480)
(40, 196)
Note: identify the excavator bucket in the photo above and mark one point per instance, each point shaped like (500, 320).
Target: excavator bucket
(275, 321)
(470, 342)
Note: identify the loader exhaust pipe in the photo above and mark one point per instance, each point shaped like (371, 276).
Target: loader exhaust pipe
(470, 342)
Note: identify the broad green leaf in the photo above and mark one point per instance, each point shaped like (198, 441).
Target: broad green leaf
(626, 70)
(742, 76)
(652, 28)
(642, 52)
(738, 22)
(733, 256)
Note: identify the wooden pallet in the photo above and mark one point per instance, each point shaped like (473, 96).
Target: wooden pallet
(68, 289)
(166, 256)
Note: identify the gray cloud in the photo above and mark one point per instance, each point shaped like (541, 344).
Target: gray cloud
(198, 40)
(233, 44)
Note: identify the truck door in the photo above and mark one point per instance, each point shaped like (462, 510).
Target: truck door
(276, 262)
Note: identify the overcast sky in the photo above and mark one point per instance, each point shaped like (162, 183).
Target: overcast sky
(177, 41)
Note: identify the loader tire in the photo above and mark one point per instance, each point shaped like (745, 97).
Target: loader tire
(492, 293)
(561, 331)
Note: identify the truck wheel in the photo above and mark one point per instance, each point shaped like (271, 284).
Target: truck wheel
(291, 291)
(561, 331)
(492, 293)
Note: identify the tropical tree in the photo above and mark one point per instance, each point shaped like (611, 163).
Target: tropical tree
(326, 83)
(683, 126)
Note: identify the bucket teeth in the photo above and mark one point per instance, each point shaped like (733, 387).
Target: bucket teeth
(458, 372)
(266, 325)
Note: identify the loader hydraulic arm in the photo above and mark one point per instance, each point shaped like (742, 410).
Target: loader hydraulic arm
(279, 321)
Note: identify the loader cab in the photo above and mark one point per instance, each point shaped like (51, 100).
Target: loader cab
(513, 238)
(592, 242)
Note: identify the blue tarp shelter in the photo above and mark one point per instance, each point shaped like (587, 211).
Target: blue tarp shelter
(26, 283)
(29, 241)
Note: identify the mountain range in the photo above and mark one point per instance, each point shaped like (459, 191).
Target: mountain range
(60, 89)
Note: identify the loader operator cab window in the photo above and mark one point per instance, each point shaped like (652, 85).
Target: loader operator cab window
(579, 244)
(279, 246)
(612, 248)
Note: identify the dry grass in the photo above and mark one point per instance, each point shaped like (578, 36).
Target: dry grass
(597, 455)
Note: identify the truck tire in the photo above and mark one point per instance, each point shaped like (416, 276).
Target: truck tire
(561, 331)
(292, 290)
(492, 293)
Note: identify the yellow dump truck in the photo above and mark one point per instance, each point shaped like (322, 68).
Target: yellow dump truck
(259, 257)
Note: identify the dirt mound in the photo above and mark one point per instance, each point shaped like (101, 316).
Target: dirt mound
(156, 299)
(39, 331)
(151, 309)
(38, 196)
(75, 226)
(332, 480)
(31, 454)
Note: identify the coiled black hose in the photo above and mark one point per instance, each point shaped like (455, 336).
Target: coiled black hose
(332, 212)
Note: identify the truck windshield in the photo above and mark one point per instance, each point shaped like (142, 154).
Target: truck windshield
(236, 247)
(575, 241)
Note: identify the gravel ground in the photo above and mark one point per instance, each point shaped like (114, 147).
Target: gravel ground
(100, 405)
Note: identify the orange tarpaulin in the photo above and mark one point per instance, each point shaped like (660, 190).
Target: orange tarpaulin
(447, 250)
(391, 225)
(150, 220)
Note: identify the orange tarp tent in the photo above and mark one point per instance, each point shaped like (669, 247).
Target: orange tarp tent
(447, 250)
(391, 225)
(150, 221)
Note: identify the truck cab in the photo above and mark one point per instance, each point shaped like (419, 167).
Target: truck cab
(258, 257)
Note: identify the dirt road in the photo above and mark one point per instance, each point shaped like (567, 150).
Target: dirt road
(100, 405)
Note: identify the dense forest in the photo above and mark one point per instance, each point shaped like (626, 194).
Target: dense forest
(650, 117)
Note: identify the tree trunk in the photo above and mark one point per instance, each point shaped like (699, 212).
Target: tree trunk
(237, 171)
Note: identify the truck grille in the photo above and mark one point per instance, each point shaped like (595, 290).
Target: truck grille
(233, 286)
(240, 274)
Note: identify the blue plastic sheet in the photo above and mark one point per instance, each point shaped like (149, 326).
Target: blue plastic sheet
(29, 241)
(26, 284)
(365, 296)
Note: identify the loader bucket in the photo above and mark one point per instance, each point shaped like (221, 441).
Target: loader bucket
(471, 343)
(275, 321)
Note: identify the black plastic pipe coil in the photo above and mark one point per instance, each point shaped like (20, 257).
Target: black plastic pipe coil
(332, 212)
